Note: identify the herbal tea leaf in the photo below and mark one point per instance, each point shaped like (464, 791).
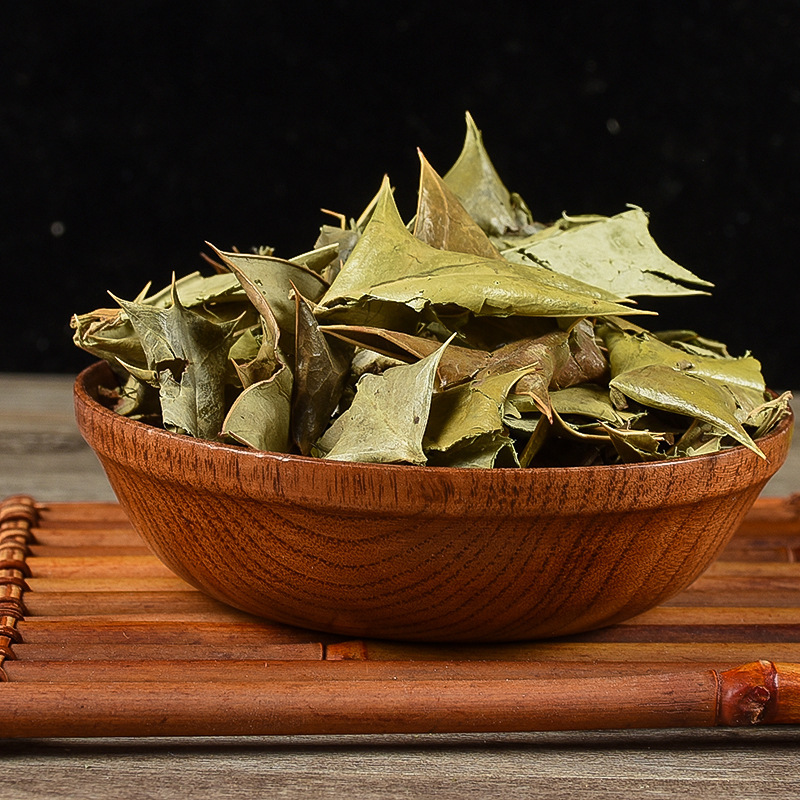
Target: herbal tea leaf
(616, 254)
(259, 417)
(457, 365)
(474, 180)
(267, 278)
(465, 412)
(662, 387)
(388, 416)
(389, 264)
(107, 333)
(631, 351)
(319, 376)
(442, 222)
(189, 355)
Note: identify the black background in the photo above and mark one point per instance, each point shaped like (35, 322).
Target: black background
(132, 132)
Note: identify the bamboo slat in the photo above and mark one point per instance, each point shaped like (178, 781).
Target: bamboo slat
(101, 639)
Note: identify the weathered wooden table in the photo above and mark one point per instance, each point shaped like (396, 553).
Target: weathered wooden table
(43, 456)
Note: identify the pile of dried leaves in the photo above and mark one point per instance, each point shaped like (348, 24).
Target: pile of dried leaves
(470, 337)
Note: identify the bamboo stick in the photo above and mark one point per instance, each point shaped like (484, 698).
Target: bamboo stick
(134, 630)
(586, 652)
(97, 536)
(66, 512)
(94, 603)
(772, 514)
(75, 550)
(765, 569)
(711, 615)
(215, 651)
(751, 694)
(98, 567)
(268, 671)
(121, 583)
(777, 549)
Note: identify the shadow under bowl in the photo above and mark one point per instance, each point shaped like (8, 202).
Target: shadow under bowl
(423, 553)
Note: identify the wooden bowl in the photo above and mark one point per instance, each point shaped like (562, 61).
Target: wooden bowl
(423, 553)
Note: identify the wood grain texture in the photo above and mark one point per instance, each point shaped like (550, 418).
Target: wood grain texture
(701, 762)
(722, 763)
(421, 553)
(174, 662)
(706, 764)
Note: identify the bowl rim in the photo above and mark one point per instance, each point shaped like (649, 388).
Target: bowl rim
(721, 468)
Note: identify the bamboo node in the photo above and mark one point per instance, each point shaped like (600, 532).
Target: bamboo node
(747, 694)
(12, 634)
(16, 564)
(19, 508)
(18, 515)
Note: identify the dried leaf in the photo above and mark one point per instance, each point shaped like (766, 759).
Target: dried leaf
(463, 413)
(474, 180)
(662, 387)
(259, 417)
(387, 420)
(481, 452)
(189, 356)
(457, 365)
(321, 369)
(616, 254)
(107, 333)
(631, 351)
(267, 278)
(542, 358)
(389, 264)
(442, 222)
(256, 359)
(586, 363)
(587, 400)
(635, 446)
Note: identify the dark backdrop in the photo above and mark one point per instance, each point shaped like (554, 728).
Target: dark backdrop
(134, 131)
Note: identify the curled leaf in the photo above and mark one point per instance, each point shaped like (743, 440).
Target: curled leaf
(616, 254)
(259, 417)
(667, 389)
(389, 264)
(474, 180)
(388, 416)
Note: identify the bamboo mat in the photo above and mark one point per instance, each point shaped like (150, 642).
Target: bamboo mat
(98, 638)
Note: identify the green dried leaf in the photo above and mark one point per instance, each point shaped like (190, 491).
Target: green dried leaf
(387, 420)
(667, 389)
(189, 355)
(321, 369)
(636, 446)
(198, 290)
(389, 264)
(267, 279)
(481, 452)
(698, 439)
(108, 334)
(474, 180)
(259, 417)
(693, 343)
(318, 259)
(631, 351)
(587, 400)
(463, 413)
(616, 254)
(256, 359)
